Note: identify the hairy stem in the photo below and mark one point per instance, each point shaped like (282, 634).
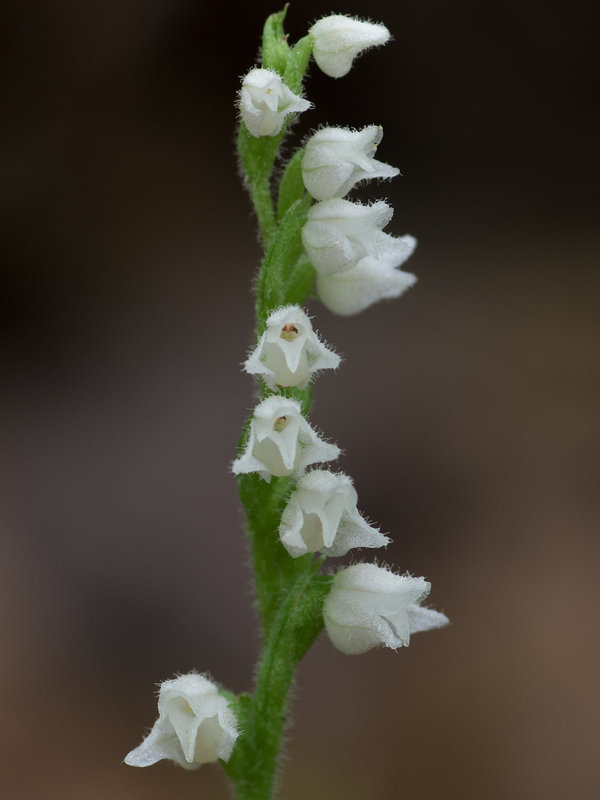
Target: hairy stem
(289, 592)
(257, 756)
(257, 159)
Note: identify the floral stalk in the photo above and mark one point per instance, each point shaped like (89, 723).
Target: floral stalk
(297, 513)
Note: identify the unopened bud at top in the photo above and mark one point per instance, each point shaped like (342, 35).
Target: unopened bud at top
(335, 159)
(339, 39)
(265, 101)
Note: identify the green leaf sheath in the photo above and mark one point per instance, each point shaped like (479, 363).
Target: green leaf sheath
(257, 157)
(298, 63)
(289, 592)
(280, 271)
(275, 49)
(291, 186)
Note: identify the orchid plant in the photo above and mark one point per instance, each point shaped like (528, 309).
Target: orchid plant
(297, 517)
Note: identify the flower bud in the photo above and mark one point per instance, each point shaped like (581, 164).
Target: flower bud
(339, 39)
(289, 351)
(370, 606)
(321, 516)
(338, 234)
(335, 159)
(195, 725)
(281, 442)
(265, 100)
(371, 280)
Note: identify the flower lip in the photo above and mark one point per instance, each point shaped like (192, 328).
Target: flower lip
(264, 101)
(321, 516)
(369, 606)
(281, 447)
(195, 725)
(339, 233)
(335, 159)
(371, 280)
(289, 353)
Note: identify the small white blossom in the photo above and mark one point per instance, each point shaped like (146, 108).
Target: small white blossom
(289, 351)
(370, 606)
(195, 725)
(281, 442)
(339, 39)
(265, 101)
(335, 159)
(371, 280)
(339, 233)
(321, 516)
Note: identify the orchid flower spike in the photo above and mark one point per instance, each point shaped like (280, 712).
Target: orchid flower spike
(195, 725)
(338, 234)
(321, 516)
(289, 352)
(335, 159)
(370, 606)
(265, 101)
(339, 39)
(281, 442)
(371, 280)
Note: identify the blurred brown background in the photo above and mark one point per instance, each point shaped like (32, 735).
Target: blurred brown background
(468, 410)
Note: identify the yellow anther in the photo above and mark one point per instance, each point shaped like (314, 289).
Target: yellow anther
(289, 332)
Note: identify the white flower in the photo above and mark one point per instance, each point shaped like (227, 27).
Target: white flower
(289, 351)
(265, 100)
(371, 280)
(337, 158)
(370, 606)
(321, 515)
(338, 234)
(281, 442)
(339, 39)
(195, 725)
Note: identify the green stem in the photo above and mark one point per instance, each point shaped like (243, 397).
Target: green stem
(289, 592)
(263, 504)
(270, 709)
(260, 192)
(254, 764)
(257, 157)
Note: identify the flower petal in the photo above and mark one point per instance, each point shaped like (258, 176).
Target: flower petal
(339, 39)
